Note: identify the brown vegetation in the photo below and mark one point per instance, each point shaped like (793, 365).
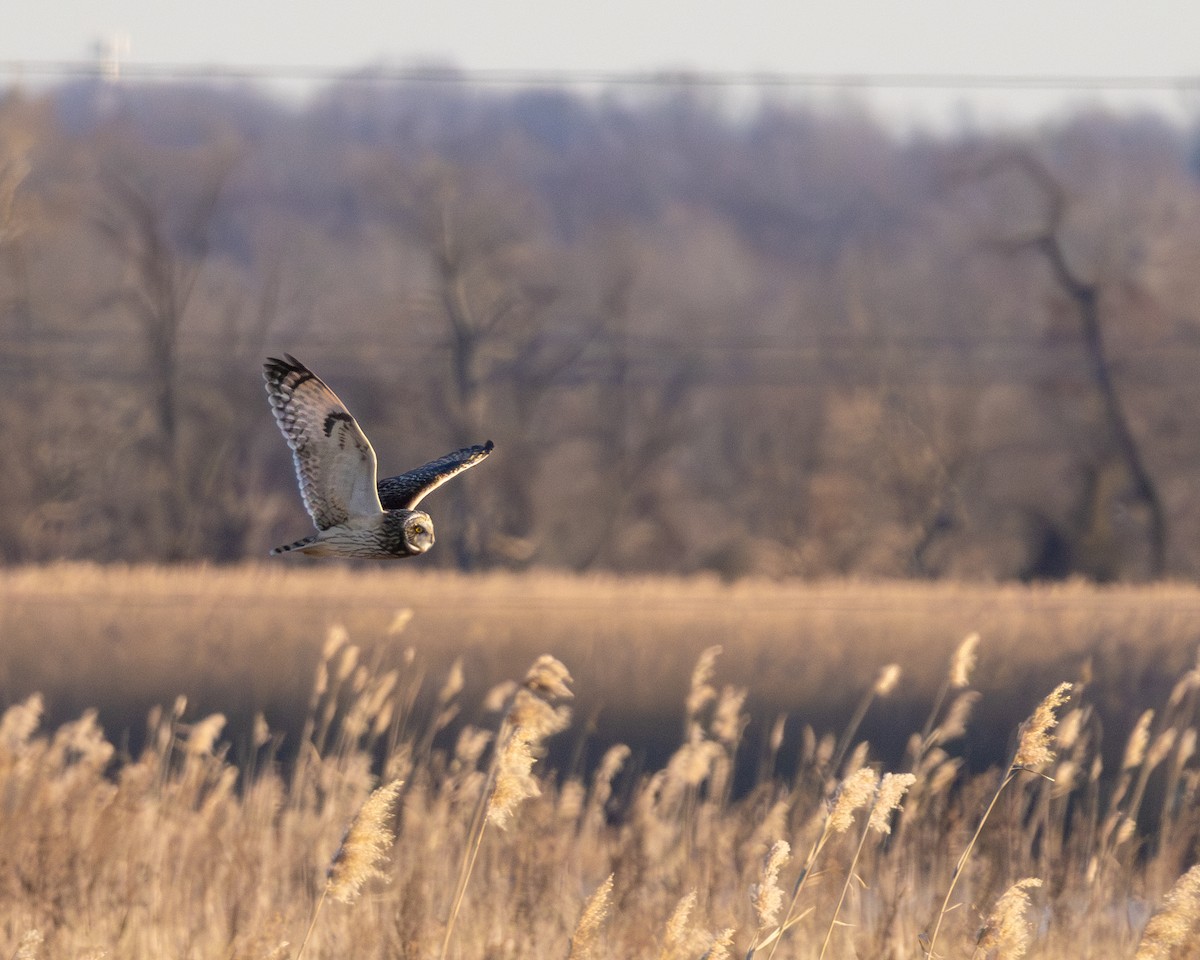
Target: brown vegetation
(241, 640)
(190, 846)
(779, 342)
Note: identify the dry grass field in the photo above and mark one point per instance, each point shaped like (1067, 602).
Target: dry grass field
(188, 756)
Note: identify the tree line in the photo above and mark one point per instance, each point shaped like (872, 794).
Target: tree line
(776, 340)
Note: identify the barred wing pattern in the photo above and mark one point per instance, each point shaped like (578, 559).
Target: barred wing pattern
(407, 490)
(335, 463)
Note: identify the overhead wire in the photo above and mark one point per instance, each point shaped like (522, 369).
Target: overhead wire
(505, 76)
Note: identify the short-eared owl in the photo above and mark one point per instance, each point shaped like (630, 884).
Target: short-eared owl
(337, 470)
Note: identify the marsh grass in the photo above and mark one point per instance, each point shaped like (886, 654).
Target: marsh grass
(239, 641)
(185, 845)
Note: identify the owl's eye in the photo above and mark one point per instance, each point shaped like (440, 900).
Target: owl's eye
(418, 530)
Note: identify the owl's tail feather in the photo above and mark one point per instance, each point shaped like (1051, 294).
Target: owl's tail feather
(298, 545)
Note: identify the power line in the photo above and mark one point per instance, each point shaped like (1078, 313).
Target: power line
(520, 77)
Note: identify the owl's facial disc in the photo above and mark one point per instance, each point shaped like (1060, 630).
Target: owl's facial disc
(419, 531)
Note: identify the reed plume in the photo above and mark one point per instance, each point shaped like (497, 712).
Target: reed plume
(963, 662)
(888, 794)
(1033, 751)
(767, 895)
(363, 849)
(587, 930)
(27, 949)
(885, 683)
(531, 718)
(1005, 933)
(856, 791)
(1176, 924)
(954, 724)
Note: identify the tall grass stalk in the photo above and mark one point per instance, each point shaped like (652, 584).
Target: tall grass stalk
(855, 791)
(1033, 751)
(887, 800)
(884, 684)
(529, 719)
(368, 840)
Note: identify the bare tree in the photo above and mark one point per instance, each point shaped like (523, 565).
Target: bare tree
(164, 247)
(1086, 297)
(640, 423)
(161, 275)
(16, 325)
(494, 302)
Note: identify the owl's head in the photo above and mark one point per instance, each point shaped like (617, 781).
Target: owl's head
(418, 531)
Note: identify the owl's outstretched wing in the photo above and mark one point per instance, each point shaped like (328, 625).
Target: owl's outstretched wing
(407, 490)
(334, 461)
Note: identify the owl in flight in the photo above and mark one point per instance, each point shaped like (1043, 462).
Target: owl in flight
(355, 515)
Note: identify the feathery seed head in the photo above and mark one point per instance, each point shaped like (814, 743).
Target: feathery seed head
(886, 682)
(1138, 742)
(1160, 747)
(1066, 778)
(587, 930)
(1175, 924)
(892, 789)
(472, 741)
(857, 759)
(691, 764)
(678, 932)
(1183, 686)
(82, 741)
(610, 764)
(202, 736)
(530, 719)
(365, 846)
(1125, 832)
(537, 716)
(400, 621)
(1034, 747)
(383, 718)
(944, 774)
(514, 776)
(1006, 930)
(571, 797)
(857, 790)
(500, 697)
(964, 662)
(767, 895)
(549, 678)
(27, 949)
(1139, 739)
(454, 682)
(955, 723)
(1187, 746)
(727, 721)
(335, 639)
(822, 750)
(347, 663)
(262, 732)
(1071, 727)
(720, 946)
(19, 722)
(701, 693)
(775, 739)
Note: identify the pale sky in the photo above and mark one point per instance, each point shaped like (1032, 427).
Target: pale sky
(1014, 37)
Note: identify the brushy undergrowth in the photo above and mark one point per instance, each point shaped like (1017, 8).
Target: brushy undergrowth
(378, 842)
